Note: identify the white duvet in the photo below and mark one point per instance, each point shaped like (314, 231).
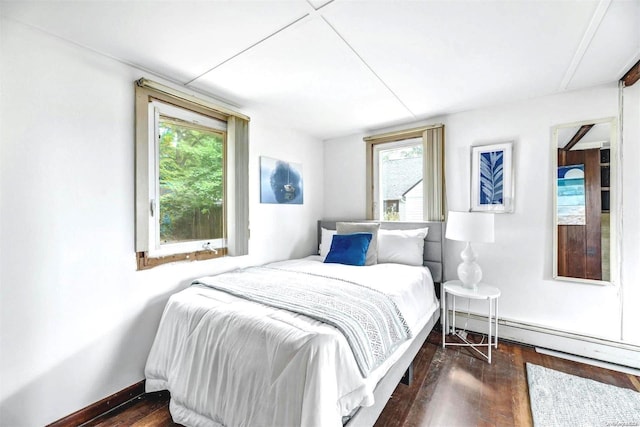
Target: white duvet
(228, 361)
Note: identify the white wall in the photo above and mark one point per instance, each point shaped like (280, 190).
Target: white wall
(344, 178)
(520, 261)
(76, 318)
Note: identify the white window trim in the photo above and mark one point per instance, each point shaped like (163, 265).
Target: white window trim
(377, 191)
(156, 248)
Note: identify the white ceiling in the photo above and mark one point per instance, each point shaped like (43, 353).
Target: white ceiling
(336, 67)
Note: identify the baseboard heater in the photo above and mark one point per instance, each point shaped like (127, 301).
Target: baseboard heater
(610, 351)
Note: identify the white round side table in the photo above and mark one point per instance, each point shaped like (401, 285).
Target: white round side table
(483, 291)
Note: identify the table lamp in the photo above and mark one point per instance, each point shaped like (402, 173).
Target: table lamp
(470, 227)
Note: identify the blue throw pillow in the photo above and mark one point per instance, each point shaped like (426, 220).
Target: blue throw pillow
(350, 249)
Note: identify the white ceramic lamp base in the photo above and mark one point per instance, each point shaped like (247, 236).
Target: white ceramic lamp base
(469, 271)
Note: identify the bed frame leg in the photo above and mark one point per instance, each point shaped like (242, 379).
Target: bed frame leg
(407, 379)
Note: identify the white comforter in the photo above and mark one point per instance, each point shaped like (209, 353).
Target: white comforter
(228, 361)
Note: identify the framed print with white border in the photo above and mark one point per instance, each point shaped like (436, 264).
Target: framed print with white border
(492, 178)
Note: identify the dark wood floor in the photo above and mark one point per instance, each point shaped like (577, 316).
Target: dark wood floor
(451, 387)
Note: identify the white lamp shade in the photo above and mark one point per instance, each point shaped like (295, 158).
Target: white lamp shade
(470, 227)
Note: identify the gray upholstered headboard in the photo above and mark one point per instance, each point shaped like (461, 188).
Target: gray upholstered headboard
(433, 243)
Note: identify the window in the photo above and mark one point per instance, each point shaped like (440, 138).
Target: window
(187, 202)
(191, 177)
(397, 194)
(405, 174)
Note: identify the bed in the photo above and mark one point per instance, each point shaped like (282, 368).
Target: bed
(231, 354)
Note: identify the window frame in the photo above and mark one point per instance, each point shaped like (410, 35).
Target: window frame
(235, 217)
(434, 192)
(159, 109)
(376, 189)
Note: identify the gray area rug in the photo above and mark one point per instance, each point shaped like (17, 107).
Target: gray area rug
(559, 399)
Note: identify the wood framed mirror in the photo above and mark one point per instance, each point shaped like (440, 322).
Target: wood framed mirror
(584, 208)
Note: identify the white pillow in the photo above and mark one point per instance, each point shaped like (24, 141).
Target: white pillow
(402, 246)
(326, 237)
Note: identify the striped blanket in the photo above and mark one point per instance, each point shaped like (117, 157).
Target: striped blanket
(369, 319)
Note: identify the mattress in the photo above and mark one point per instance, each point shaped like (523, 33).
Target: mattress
(228, 361)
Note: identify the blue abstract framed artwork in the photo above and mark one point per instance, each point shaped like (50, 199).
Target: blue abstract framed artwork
(571, 195)
(280, 182)
(492, 178)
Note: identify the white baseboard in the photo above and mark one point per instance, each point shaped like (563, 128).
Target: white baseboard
(615, 352)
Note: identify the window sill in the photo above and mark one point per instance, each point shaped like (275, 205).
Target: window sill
(145, 262)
